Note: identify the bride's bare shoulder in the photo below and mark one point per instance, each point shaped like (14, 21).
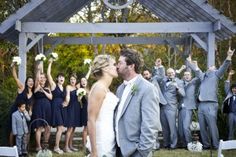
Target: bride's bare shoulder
(98, 87)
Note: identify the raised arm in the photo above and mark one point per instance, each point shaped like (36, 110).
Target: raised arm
(49, 76)
(39, 71)
(193, 65)
(88, 73)
(227, 82)
(159, 69)
(95, 100)
(178, 71)
(20, 85)
(220, 72)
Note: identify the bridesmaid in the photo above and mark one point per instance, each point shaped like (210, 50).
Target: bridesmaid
(42, 107)
(58, 93)
(84, 111)
(72, 113)
(25, 93)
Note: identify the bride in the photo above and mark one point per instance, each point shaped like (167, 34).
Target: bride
(101, 106)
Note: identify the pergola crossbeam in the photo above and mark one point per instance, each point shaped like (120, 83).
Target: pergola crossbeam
(200, 41)
(113, 40)
(164, 27)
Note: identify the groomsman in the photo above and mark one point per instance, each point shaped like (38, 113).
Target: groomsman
(229, 105)
(148, 76)
(187, 104)
(208, 106)
(171, 88)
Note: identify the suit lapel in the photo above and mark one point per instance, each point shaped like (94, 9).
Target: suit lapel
(130, 96)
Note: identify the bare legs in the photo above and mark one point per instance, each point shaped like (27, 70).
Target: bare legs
(38, 134)
(67, 140)
(71, 141)
(58, 136)
(84, 136)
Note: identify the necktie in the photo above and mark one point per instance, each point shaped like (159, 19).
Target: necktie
(22, 116)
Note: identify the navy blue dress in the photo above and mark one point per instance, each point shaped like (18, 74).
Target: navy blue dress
(84, 111)
(41, 109)
(73, 111)
(57, 108)
(19, 98)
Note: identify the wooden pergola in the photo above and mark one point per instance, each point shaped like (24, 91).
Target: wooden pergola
(195, 19)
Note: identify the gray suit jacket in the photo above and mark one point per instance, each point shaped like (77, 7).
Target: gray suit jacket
(161, 96)
(189, 100)
(140, 119)
(209, 81)
(229, 94)
(19, 125)
(170, 92)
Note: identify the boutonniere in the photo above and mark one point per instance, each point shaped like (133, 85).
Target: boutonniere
(134, 89)
(80, 93)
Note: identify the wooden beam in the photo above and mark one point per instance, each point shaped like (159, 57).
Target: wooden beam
(200, 41)
(113, 40)
(22, 12)
(23, 56)
(211, 50)
(167, 27)
(34, 41)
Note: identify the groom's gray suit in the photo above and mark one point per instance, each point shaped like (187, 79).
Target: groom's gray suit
(137, 123)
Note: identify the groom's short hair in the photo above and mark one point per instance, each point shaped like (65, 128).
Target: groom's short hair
(133, 57)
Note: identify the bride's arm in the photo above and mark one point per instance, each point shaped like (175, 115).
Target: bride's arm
(95, 100)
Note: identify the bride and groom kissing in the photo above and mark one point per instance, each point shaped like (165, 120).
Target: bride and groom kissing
(125, 124)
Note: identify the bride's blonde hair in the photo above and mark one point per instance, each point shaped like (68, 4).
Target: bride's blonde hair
(100, 62)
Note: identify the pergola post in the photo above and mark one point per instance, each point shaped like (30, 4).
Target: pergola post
(211, 49)
(23, 56)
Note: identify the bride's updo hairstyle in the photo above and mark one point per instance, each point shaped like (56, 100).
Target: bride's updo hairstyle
(100, 62)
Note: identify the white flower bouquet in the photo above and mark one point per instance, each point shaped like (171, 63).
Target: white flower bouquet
(44, 153)
(54, 56)
(80, 93)
(40, 57)
(195, 146)
(87, 61)
(16, 60)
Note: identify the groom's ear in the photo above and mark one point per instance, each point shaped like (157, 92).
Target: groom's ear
(132, 66)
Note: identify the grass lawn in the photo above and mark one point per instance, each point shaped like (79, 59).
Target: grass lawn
(162, 153)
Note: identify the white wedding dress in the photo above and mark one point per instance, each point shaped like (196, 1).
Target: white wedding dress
(105, 135)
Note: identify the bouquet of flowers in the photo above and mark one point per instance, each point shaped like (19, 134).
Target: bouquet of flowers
(87, 61)
(195, 146)
(54, 56)
(80, 93)
(40, 57)
(16, 60)
(44, 153)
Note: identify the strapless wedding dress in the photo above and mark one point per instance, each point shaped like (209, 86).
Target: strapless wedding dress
(105, 135)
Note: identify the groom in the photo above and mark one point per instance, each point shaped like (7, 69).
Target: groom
(137, 117)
